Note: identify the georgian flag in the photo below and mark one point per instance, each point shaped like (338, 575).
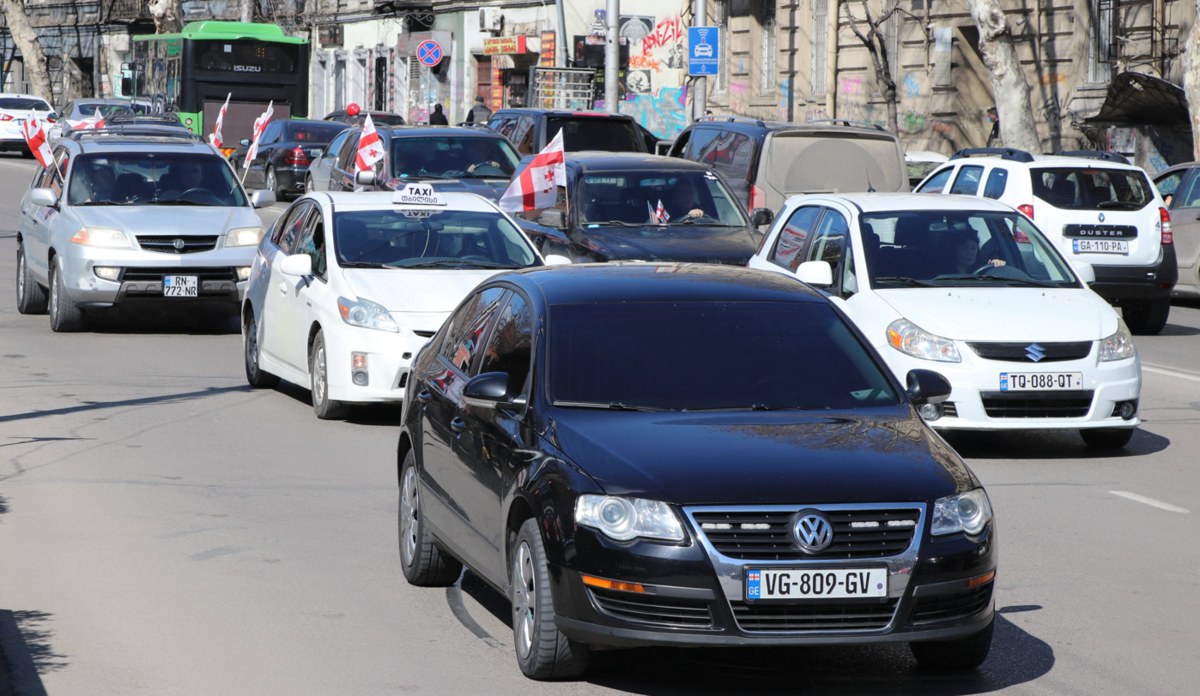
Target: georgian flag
(215, 137)
(534, 188)
(35, 138)
(260, 125)
(661, 215)
(370, 147)
(98, 121)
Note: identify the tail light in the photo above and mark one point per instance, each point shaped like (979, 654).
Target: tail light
(1026, 210)
(758, 197)
(297, 156)
(1168, 237)
(6, 117)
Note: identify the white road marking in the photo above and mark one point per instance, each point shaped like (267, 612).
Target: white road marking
(1150, 501)
(1171, 373)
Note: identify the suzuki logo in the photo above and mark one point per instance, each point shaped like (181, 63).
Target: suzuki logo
(813, 532)
(1035, 352)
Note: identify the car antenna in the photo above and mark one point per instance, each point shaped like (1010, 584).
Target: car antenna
(870, 188)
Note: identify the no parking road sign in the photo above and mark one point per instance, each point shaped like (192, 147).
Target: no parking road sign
(429, 53)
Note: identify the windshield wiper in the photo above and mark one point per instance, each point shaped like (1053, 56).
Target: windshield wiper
(1127, 205)
(452, 263)
(618, 223)
(610, 406)
(903, 280)
(998, 279)
(361, 264)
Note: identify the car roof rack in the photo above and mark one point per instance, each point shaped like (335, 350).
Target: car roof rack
(1095, 154)
(138, 130)
(1008, 153)
(845, 122)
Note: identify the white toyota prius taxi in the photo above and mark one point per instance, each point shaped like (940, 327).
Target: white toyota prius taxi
(970, 288)
(349, 286)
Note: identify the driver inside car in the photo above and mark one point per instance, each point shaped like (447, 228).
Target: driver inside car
(684, 201)
(184, 176)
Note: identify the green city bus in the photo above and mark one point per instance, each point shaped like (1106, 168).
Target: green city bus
(192, 72)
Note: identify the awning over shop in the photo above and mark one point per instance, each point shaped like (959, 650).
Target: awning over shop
(1137, 99)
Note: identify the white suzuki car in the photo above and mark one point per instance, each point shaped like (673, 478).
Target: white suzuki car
(972, 289)
(349, 286)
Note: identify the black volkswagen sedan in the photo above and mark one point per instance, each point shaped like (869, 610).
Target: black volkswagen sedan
(630, 206)
(688, 455)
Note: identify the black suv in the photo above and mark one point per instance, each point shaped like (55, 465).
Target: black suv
(765, 162)
(531, 129)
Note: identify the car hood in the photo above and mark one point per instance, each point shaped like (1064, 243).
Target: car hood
(683, 243)
(1005, 314)
(173, 220)
(488, 188)
(415, 291)
(767, 458)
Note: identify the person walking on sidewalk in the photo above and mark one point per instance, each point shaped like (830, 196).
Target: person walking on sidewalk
(437, 118)
(479, 113)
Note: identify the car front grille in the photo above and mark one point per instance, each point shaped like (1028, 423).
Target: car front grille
(178, 244)
(1027, 352)
(816, 617)
(763, 535)
(951, 606)
(1060, 404)
(142, 275)
(652, 609)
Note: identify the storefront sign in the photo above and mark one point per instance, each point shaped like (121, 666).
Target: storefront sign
(504, 45)
(548, 50)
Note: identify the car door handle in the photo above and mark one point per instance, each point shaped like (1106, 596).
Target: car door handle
(424, 397)
(283, 287)
(458, 425)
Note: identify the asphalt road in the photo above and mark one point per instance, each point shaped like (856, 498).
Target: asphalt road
(165, 530)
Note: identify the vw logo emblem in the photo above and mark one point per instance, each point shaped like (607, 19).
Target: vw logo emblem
(1101, 217)
(1034, 352)
(812, 531)
(178, 244)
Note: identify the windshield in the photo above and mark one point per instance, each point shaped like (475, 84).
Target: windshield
(1075, 188)
(710, 355)
(666, 198)
(141, 178)
(421, 238)
(596, 133)
(915, 248)
(461, 157)
(88, 109)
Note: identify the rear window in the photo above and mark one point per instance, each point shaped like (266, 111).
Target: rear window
(730, 153)
(593, 133)
(313, 132)
(826, 162)
(1075, 188)
(25, 103)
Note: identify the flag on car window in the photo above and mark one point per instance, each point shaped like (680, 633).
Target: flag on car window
(35, 138)
(660, 214)
(370, 147)
(260, 125)
(98, 121)
(533, 188)
(215, 137)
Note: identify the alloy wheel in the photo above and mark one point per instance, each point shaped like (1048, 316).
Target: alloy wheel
(409, 509)
(524, 599)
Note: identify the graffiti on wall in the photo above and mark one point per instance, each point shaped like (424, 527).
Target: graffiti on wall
(654, 83)
(662, 112)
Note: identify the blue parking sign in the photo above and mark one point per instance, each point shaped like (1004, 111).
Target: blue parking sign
(704, 50)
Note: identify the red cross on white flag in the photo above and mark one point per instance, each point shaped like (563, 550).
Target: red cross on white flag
(215, 137)
(260, 125)
(370, 147)
(98, 121)
(534, 187)
(35, 138)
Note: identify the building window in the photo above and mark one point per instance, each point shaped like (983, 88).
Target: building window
(820, 49)
(767, 72)
(1101, 42)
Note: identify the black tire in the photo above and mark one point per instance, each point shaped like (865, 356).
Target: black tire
(65, 315)
(257, 377)
(1106, 438)
(956, 655)
(318, 375)
(272, 184)
(31, 297)
(543, 652)
(1147, 317)
(309, 186)
(424, 563)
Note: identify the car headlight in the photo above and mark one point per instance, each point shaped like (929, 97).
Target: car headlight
(910, 339)
(101, 237)
(366, 314)
(243, 236)
(1118, 346)
(624, 519)
(966, 512)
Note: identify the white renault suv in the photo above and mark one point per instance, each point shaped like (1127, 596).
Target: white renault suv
(1095, 207)
(971, 289)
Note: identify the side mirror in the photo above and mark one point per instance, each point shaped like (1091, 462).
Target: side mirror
(927, 387)
(556, 260)
(317, 152)
(1084, 270)
(244, 142)
(762, 216)
(816, 273)
(487, 390)
(364, 178)
(43, 197)
(553, 217)
(299, 265)
(262, 199)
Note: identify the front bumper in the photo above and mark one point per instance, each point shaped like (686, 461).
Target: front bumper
(694, 595)
(140, 275)
(388, 359)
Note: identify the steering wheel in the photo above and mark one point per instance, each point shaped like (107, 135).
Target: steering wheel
(476, 257)
(983, 270)
(202, 192)
(487, 164)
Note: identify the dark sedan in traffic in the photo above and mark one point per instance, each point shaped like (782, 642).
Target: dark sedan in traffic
(632, 206)
(690, 455)
(285, 150)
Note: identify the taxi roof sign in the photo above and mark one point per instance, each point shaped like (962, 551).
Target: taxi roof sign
(418, 194)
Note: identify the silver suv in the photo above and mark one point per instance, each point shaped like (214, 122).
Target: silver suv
(1095, 206)
(129, 214)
